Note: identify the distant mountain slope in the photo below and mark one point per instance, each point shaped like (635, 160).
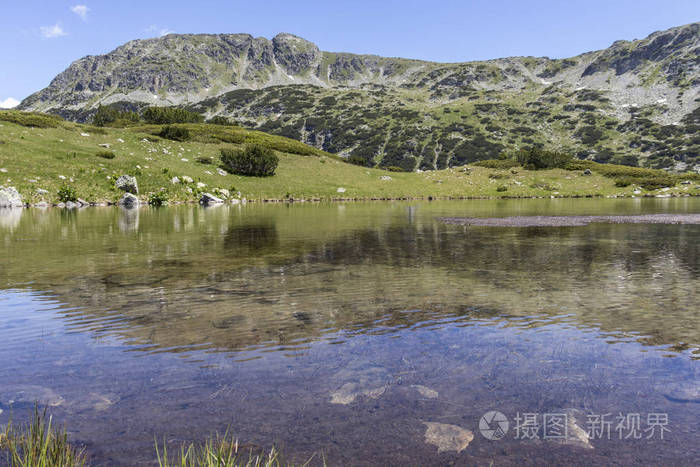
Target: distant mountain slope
(635, 102)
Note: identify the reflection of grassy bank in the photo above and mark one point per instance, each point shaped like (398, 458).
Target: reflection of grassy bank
(40, 444)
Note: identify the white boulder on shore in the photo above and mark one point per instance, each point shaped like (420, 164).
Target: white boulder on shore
(10, 197)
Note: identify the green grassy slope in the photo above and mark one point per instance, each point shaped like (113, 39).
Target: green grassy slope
(45, 153)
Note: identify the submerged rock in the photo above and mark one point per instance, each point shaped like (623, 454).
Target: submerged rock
(447, 437)
(425, 391)
(366, 382)
(348, 392)
(29, 394)
(683, 391)
(127, 183)
(576, 434)
(10, 197)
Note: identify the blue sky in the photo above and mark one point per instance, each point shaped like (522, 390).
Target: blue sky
(41, 38)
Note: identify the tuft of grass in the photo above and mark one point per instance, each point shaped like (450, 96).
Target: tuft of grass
(219, 452)
(39, 444)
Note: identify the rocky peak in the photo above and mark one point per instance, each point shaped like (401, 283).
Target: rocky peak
(295, 54)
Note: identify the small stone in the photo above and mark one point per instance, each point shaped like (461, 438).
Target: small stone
(104, 145)
(187, 179)
(447, 437)
(82, 202)
(71, 205)
(385, 177)
(208, 198)
(127, 183)
(119, 140)
(201, 185)
(3, 170)
(341, 190)
(221, 172)
(184, 160)
(587, 172)
(62, 177)
(129, 200)
(84, 134)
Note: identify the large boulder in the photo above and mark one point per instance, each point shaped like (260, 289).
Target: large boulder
(129, 201)
(10, 197)
(208, 198)
(127, 183)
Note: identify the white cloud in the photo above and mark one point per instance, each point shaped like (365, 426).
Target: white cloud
(80, 10)
(159, 31)
(50, 32)
(9, 103)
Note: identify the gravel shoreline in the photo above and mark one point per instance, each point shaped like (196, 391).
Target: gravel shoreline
(571, 221)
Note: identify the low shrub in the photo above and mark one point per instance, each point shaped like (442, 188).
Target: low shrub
(205, 160)
(393, 168)
(30, 119)
(158, 198)
(106, 155)
(537, 159)
(220, 120)
(498, 176)
(497, 163)
(110, 115)
(67, 193)
(165, 115)
(502, 188)
(252, 160)
(648, 183)
(175, 133)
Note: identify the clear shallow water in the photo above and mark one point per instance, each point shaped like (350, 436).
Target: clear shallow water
(269, 319)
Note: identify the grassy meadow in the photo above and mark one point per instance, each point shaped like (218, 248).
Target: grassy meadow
(41, 154)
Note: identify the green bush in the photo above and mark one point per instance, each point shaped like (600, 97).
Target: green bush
(536, 159)
(106, 154)
(205, 160)
(165, 115)
(357, 160)
(158, 199)
(220, 120)
(498, 176)
(67, 193)
(175, 133)
(648, 183)
(502, 188)
(498, 163)
(107, 114)
(30, 119)
(252, 160)
(393, 168)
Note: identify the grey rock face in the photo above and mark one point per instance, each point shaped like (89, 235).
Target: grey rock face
(129, 201)
(127, 183)
(208, 198)
(10, 197)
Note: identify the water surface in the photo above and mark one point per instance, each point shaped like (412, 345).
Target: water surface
(342, 328)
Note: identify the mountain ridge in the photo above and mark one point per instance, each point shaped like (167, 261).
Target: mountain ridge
(242, 76)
